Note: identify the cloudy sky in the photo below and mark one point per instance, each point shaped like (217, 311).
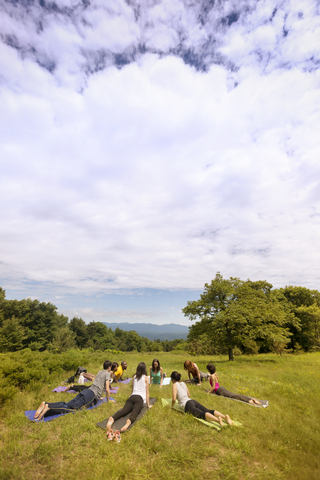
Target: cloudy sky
(148, 144)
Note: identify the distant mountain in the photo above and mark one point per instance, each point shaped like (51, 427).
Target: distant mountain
(170, 331)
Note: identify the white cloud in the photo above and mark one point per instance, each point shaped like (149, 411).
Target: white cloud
(159, 174)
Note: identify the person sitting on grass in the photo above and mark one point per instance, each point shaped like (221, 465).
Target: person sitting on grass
(134, 404)
(156, 373)
(193, 370)
(181, 393)
(86, 398)
(223, 392)
(119, 372)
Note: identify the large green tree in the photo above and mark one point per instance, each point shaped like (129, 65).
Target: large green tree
(305, 305)
(243, 314)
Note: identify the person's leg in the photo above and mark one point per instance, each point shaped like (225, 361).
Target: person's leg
(137, 403)
(223, 392)
(128, 406)
(83, 399)
(137, 407)
(44, 409)
(200, 411)
(89, 376)
(77, 388)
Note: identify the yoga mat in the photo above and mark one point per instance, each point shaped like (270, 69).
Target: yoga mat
(165, 381)
(264, 403)
(118, 424)
(62, 389)
(127, 380)
(31, 413)
(167, 402)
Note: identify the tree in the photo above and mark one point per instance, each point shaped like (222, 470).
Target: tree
(305, 305)
(11, 335)
(79, 328)
(242, 314)
(63, 341)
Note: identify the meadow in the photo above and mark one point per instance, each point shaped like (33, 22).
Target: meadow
(278, 442)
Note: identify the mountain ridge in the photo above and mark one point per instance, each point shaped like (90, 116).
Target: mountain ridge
(169, 331)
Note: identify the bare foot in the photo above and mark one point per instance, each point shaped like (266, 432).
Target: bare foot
(229, 421)
(69, 387)
(110, 422)
(126, 426)
(44, 411)
(40, 408)
(254, 401)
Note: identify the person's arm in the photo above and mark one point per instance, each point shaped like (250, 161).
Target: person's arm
(147, 391)
(188, 391)
(174, 394)
(213, 379)
(108, 392)
(161, 371)
(198, 375)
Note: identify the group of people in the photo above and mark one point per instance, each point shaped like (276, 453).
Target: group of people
(140, 394)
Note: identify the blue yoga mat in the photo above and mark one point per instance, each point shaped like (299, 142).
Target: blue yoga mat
(31, 413)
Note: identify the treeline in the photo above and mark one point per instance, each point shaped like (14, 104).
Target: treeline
(30, 324)
(235, 316)
(232, 316)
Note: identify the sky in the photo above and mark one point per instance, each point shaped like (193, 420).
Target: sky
(148, 144)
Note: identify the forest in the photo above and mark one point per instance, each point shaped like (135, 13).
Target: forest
(38, 326)
(232, 316)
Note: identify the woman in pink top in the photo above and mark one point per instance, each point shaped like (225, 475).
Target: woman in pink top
(215, 388)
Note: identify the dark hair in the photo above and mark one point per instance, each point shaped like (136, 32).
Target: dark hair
(106, 364)
(175, 376)
(141, 370)
(153, 367)
(114, 366)
(123, 363)
(211, 368)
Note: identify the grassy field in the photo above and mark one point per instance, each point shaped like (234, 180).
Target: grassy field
(279, 442)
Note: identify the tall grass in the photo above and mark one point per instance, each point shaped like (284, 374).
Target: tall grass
(279, 442)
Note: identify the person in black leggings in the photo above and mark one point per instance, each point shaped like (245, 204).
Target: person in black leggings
(134, 404)
(223, 392)
(181, 393)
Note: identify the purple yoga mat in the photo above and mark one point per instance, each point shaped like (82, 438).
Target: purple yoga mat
(62, 389)
(127, 380)
(31, 413)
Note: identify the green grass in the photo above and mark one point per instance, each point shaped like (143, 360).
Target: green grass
(279, 442)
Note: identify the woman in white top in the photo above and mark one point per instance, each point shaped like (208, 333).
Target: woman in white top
(181, 393)
(139, 396)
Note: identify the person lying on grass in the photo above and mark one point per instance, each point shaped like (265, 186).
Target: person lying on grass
(119, 371)
(91, 377)
(215, 388)
(193, 370)
(181, 393)
(85, 399)
(156, 373)
(134, 404)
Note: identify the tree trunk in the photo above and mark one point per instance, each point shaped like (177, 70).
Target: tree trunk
(230, 351)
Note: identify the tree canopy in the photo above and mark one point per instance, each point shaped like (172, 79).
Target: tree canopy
(241, 314)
